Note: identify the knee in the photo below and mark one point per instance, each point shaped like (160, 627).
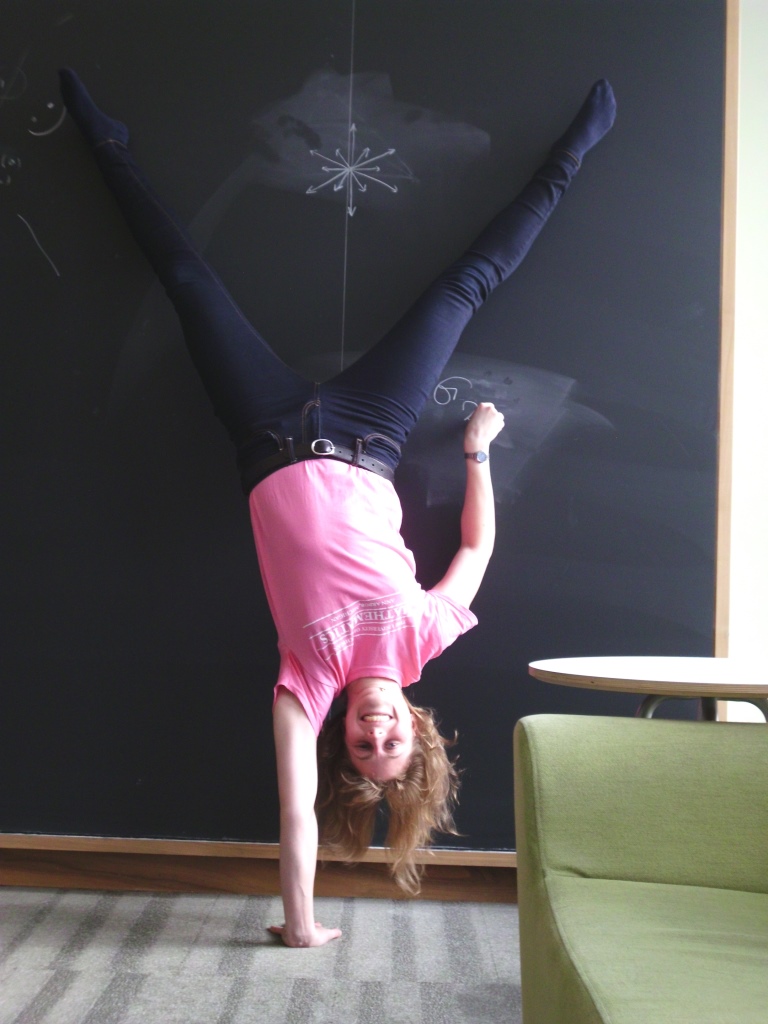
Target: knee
(472, 279)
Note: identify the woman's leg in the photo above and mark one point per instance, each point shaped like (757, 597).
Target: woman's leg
(250, 388)
(391, 383)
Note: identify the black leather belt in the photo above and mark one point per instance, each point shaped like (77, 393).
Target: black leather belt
(321, 448)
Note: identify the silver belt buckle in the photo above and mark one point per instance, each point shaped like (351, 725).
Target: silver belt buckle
(326, 449)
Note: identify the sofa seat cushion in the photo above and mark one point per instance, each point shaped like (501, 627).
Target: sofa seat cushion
(667, 954)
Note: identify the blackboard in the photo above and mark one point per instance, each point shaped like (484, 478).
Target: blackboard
(138, 655)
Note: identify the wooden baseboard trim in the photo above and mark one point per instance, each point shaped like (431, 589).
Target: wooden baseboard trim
(146, 872)
(150, 865)
(250, 851)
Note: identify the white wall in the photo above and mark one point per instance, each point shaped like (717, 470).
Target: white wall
(748, 630)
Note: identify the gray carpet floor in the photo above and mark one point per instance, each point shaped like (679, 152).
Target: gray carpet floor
(75, 957)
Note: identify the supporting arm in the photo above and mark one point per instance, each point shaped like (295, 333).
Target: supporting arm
(295, 746)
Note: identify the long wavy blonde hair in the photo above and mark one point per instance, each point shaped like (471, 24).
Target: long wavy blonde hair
(420, 801)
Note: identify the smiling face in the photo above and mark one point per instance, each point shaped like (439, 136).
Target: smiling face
(47, 119)
(379, 728)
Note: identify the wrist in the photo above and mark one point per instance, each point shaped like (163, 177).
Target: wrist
(475, 442)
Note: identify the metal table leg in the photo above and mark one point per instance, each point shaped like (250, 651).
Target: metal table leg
(650, 703)
(709, 709)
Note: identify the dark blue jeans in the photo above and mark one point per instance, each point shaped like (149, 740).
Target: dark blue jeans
(379, 397)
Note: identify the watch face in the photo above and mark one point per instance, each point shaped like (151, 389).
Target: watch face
(477, 456)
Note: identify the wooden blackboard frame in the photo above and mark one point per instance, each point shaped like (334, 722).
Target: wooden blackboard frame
(727, 322)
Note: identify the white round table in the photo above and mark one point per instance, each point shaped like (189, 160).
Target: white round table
(660, 678)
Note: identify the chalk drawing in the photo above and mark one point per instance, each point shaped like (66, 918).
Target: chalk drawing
(354, 116)
(37, 243)
(539, 413)
(9, 165)
(47, 131)
(443, 394)
(352, 170)
(13, 82)
(316, 119)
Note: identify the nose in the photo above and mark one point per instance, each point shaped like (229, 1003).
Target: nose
(374, 729)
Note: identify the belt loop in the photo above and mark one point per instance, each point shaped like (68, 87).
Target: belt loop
(358, 451)
(381, 437)
(313, 404)
(291, 449)
(254, 436)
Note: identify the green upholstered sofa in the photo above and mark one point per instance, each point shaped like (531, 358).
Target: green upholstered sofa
(642, 870)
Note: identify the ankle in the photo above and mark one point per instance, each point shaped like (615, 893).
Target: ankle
(594, 120)
(558, 150)
(96, 126)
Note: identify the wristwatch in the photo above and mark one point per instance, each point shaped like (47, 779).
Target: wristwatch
(476, 456)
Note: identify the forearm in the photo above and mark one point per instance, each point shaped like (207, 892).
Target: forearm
(478, 516)
(297, 784)
(298, 859)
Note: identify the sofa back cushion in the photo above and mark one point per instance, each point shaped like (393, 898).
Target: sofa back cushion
(644, 800)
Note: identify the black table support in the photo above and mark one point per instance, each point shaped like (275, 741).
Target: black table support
(650, 703)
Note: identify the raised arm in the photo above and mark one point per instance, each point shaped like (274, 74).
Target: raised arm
(478, 517)
(296, 749)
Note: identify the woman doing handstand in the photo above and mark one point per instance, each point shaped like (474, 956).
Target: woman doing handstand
(317, 462)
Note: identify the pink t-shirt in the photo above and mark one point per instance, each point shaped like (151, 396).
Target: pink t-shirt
(341, 583)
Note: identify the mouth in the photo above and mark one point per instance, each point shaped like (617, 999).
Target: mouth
(376, 718)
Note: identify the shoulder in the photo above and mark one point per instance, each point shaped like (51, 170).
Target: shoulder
(449, 608)
(295, 693)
